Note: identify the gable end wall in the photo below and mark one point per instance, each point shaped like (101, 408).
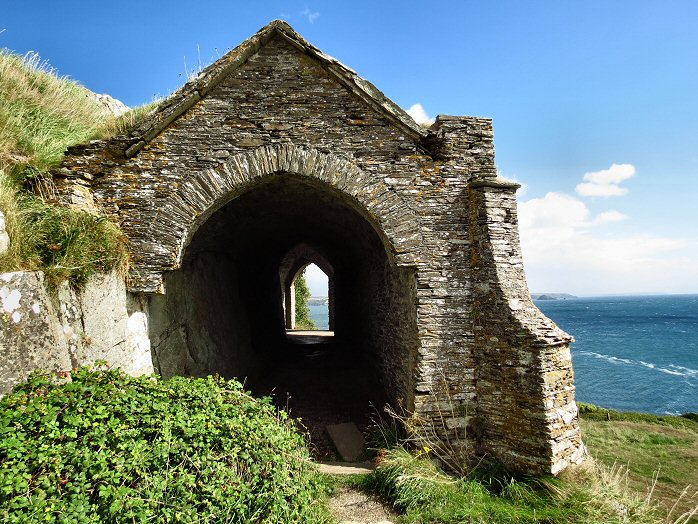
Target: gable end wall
(445, 215)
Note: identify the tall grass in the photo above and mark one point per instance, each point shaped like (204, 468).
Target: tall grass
(588, 494)
(41, 114)
(411, 475)
(66, 244)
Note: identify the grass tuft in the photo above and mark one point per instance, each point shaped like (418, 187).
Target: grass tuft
(66, 244)
(123, 124)
(41, 114)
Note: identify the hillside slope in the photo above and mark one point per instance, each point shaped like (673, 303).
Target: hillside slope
(41, 114)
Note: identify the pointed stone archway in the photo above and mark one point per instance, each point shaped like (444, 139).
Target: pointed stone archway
(295, 261)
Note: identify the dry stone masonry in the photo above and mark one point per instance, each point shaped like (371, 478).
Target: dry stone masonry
(276, 146)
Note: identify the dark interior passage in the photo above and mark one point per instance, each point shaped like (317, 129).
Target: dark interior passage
(319, 381)
(222, 312)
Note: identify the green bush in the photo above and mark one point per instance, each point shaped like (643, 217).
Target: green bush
(106, 447)
(303, 320)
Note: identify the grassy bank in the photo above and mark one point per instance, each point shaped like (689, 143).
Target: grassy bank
(642, 469)
(105, 447)
(660, 452)
(41, 115)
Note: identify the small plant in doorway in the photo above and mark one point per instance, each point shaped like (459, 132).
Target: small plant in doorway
(303, 319)
(443, 431)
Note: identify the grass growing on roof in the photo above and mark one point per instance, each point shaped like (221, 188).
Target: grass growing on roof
(41, 114)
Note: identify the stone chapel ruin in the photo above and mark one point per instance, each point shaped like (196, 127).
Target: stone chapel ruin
(277, 156)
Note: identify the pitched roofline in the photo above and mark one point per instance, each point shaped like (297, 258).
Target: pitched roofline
(190, 93)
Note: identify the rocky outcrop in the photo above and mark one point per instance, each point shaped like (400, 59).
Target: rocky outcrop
(61, 330)
(110, 104)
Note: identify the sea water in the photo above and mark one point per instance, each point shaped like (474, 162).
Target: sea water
(319, 315)
(636, 353)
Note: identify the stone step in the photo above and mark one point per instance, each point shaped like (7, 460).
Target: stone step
(348, 440)
(346, 468)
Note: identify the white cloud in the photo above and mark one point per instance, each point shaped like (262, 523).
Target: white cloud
(609, 216)
(523, 186)
(554, 211)
(605, 183)
(598, 190)
(565, 249)
(419, 115)
(523, 189)
(311, 15)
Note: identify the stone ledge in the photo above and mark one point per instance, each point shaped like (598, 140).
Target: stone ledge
(497, 182)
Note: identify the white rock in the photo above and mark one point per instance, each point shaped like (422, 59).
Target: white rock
(9, 299)
(4, 237)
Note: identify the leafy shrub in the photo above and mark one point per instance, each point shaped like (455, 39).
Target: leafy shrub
(106, 447)
(303, 320)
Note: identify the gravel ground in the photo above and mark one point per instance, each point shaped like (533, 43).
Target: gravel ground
(351, 506)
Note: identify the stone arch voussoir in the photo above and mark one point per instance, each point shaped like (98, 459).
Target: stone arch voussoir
(196, 198)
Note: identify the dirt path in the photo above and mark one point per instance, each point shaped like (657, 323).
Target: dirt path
(351, 506)
(319, 384)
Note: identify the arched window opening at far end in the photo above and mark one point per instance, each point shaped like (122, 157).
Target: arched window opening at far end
(307, 282)
(311, 288)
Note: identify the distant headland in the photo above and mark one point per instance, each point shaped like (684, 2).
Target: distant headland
(551, 296)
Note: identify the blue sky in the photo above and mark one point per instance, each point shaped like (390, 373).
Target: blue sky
(606, 90)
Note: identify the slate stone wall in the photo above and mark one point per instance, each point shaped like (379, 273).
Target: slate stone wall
(533, 421)
(484, 367)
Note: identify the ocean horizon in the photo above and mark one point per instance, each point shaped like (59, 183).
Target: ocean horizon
(631, 352)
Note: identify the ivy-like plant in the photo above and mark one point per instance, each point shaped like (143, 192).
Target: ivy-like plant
(303, 319)
(106, 447)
